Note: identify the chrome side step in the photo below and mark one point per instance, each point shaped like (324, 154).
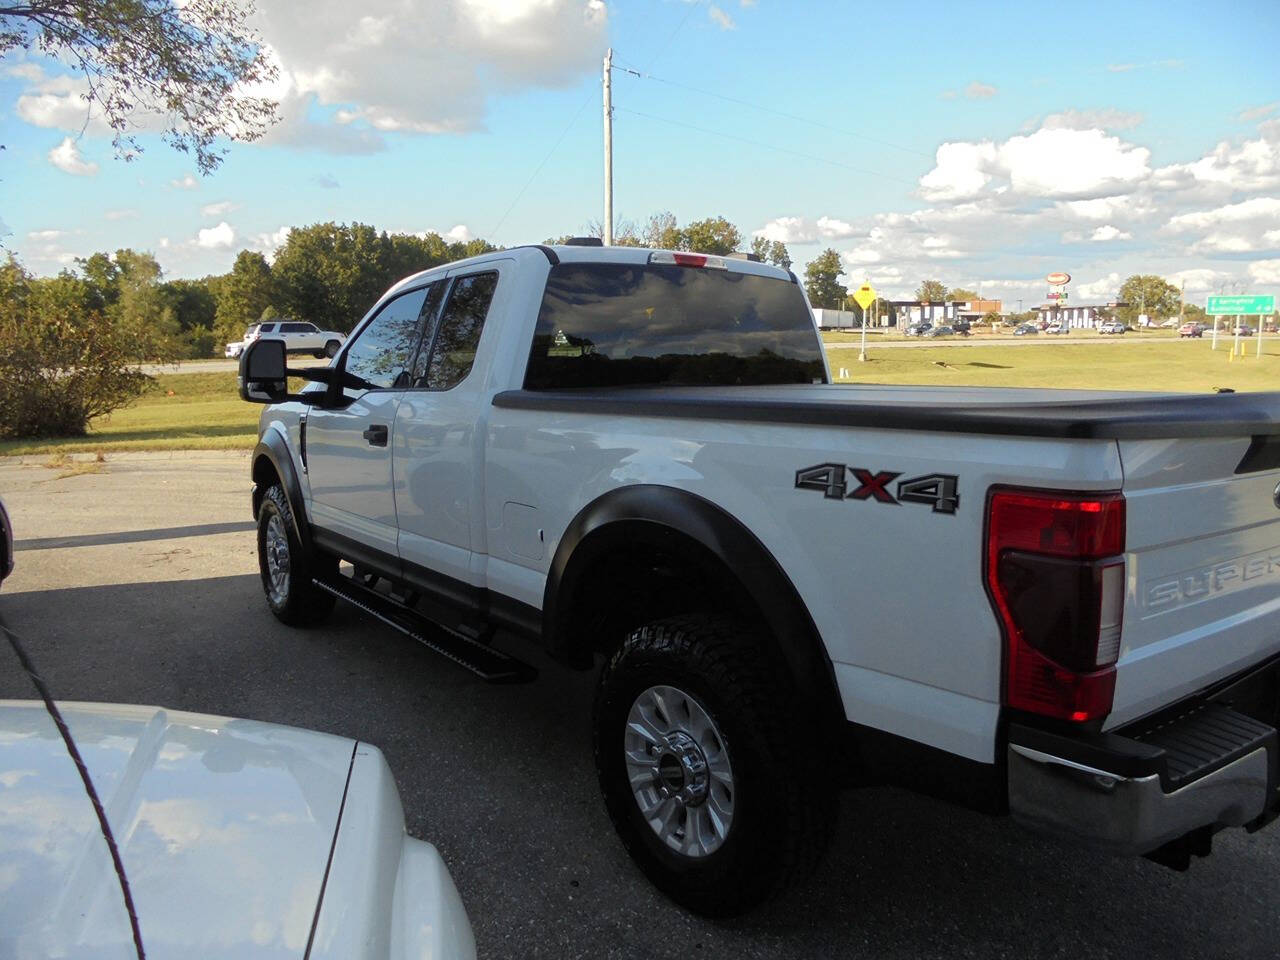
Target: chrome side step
(486, 662)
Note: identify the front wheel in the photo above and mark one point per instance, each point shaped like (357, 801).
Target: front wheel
(709, 773)
(331, 349)
(286, 568)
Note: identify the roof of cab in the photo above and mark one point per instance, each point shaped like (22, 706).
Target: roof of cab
(563, 253)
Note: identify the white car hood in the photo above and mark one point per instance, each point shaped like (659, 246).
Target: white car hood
(224, 827)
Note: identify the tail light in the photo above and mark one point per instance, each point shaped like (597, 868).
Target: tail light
(1055, 575)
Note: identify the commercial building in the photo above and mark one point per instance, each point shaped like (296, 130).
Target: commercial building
(1078, 316)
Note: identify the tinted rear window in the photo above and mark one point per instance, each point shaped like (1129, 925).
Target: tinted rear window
(630, 324)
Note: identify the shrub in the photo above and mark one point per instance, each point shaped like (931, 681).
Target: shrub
(62, 362)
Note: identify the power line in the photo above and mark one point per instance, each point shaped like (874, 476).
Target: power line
(777, 113)
(537, 170)
(766, 146)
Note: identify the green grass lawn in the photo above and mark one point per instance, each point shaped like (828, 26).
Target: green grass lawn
(202, 411)
(190, 411)
(1158, 366)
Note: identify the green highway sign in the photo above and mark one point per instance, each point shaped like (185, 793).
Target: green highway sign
(1242, 306)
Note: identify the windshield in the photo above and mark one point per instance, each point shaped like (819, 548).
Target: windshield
(609, 324)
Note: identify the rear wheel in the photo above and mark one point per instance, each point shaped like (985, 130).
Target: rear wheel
(287, 569)
(331, 349)
(708, 771)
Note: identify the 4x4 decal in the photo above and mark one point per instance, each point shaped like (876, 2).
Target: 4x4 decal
(938, 490)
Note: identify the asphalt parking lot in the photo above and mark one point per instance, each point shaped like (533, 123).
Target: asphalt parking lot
(139, 584)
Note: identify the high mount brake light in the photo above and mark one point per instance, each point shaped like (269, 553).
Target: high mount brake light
(1055, 572)
(689, 260)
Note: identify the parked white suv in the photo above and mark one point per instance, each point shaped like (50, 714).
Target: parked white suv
(298, 337)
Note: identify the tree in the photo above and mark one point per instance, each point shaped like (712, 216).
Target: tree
(62, 361)
(141, 311)
(714, 235)
(185, 66)
(960, 293)
(931, 291)
(331, 273)
(1149, 294)
(248, 290)
(821, 280)
(660, 231)
(772, 251)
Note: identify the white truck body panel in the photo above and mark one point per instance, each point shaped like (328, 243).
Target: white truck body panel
(484, 494)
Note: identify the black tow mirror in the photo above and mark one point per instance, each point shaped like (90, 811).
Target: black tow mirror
(263, 377)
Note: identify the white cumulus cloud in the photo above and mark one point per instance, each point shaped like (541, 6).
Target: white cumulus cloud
(217, 209)
(66, 157)
(1265, 271)
(216, 238)
(1108, 232)
(187, 182)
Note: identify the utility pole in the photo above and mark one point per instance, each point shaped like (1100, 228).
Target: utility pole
(1182, 302)
(608, 148)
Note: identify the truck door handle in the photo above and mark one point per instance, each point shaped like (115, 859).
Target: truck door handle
(376, 435)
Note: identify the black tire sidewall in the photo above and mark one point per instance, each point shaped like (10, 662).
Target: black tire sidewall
(740, 873)
(274, 504)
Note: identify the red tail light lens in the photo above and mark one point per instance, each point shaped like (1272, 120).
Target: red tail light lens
(1055, 575)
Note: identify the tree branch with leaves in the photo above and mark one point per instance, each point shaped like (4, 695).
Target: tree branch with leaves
(187, 67)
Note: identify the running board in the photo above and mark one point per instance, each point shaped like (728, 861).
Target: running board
(487, 663)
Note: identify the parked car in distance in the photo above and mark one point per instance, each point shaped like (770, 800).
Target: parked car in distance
(1112, 327)
(236, 838)
(941, 331)
(962, 326)
(1242, 331)
(1191, 329)
(1058, 327)
(1026, 330)
(919, 329)
(298, 337)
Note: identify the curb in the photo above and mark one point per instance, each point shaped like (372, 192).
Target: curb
(128, 456)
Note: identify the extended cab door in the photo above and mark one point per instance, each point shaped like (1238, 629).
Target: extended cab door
(348, 440)
(439, 434)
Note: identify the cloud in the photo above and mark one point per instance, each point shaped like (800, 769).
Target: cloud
(979, 91)
(44, 235)
(269, 243)
(126, 214)
(217, 209)
(720, 18)
(459, 233)
(1109, 119)
(1257, 113)
(327, 182)
(834, 229)
(1265, 271)
(788, 230)
(187, 182)
(66, 157)
(351, 73)
(1252, 165)
(220, 237)
(1257, 208)
(1060, 162)
(1104, 288)
(1108, 232)
(1154, 64)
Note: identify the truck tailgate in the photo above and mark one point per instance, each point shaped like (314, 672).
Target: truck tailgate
(1203, 541)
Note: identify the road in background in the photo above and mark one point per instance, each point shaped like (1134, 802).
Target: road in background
(140, 585)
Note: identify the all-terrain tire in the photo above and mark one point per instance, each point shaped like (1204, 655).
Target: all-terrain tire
(782, 798)
(331, 349)
(287, 569)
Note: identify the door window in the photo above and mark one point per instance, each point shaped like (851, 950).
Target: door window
(458, 333)
(382, 351)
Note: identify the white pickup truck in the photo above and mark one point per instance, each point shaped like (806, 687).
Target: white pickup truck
(1060, 605)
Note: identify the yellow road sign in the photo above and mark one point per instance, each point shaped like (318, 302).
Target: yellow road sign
(865, 295)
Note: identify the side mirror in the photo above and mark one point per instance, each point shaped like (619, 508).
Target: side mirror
(263, 378)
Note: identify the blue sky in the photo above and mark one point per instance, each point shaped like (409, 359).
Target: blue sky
(980, 144)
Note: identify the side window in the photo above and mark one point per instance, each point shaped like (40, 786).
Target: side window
(267, 328)
(308, 328)
(458, 333)
(381, 353)
(292, 328)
